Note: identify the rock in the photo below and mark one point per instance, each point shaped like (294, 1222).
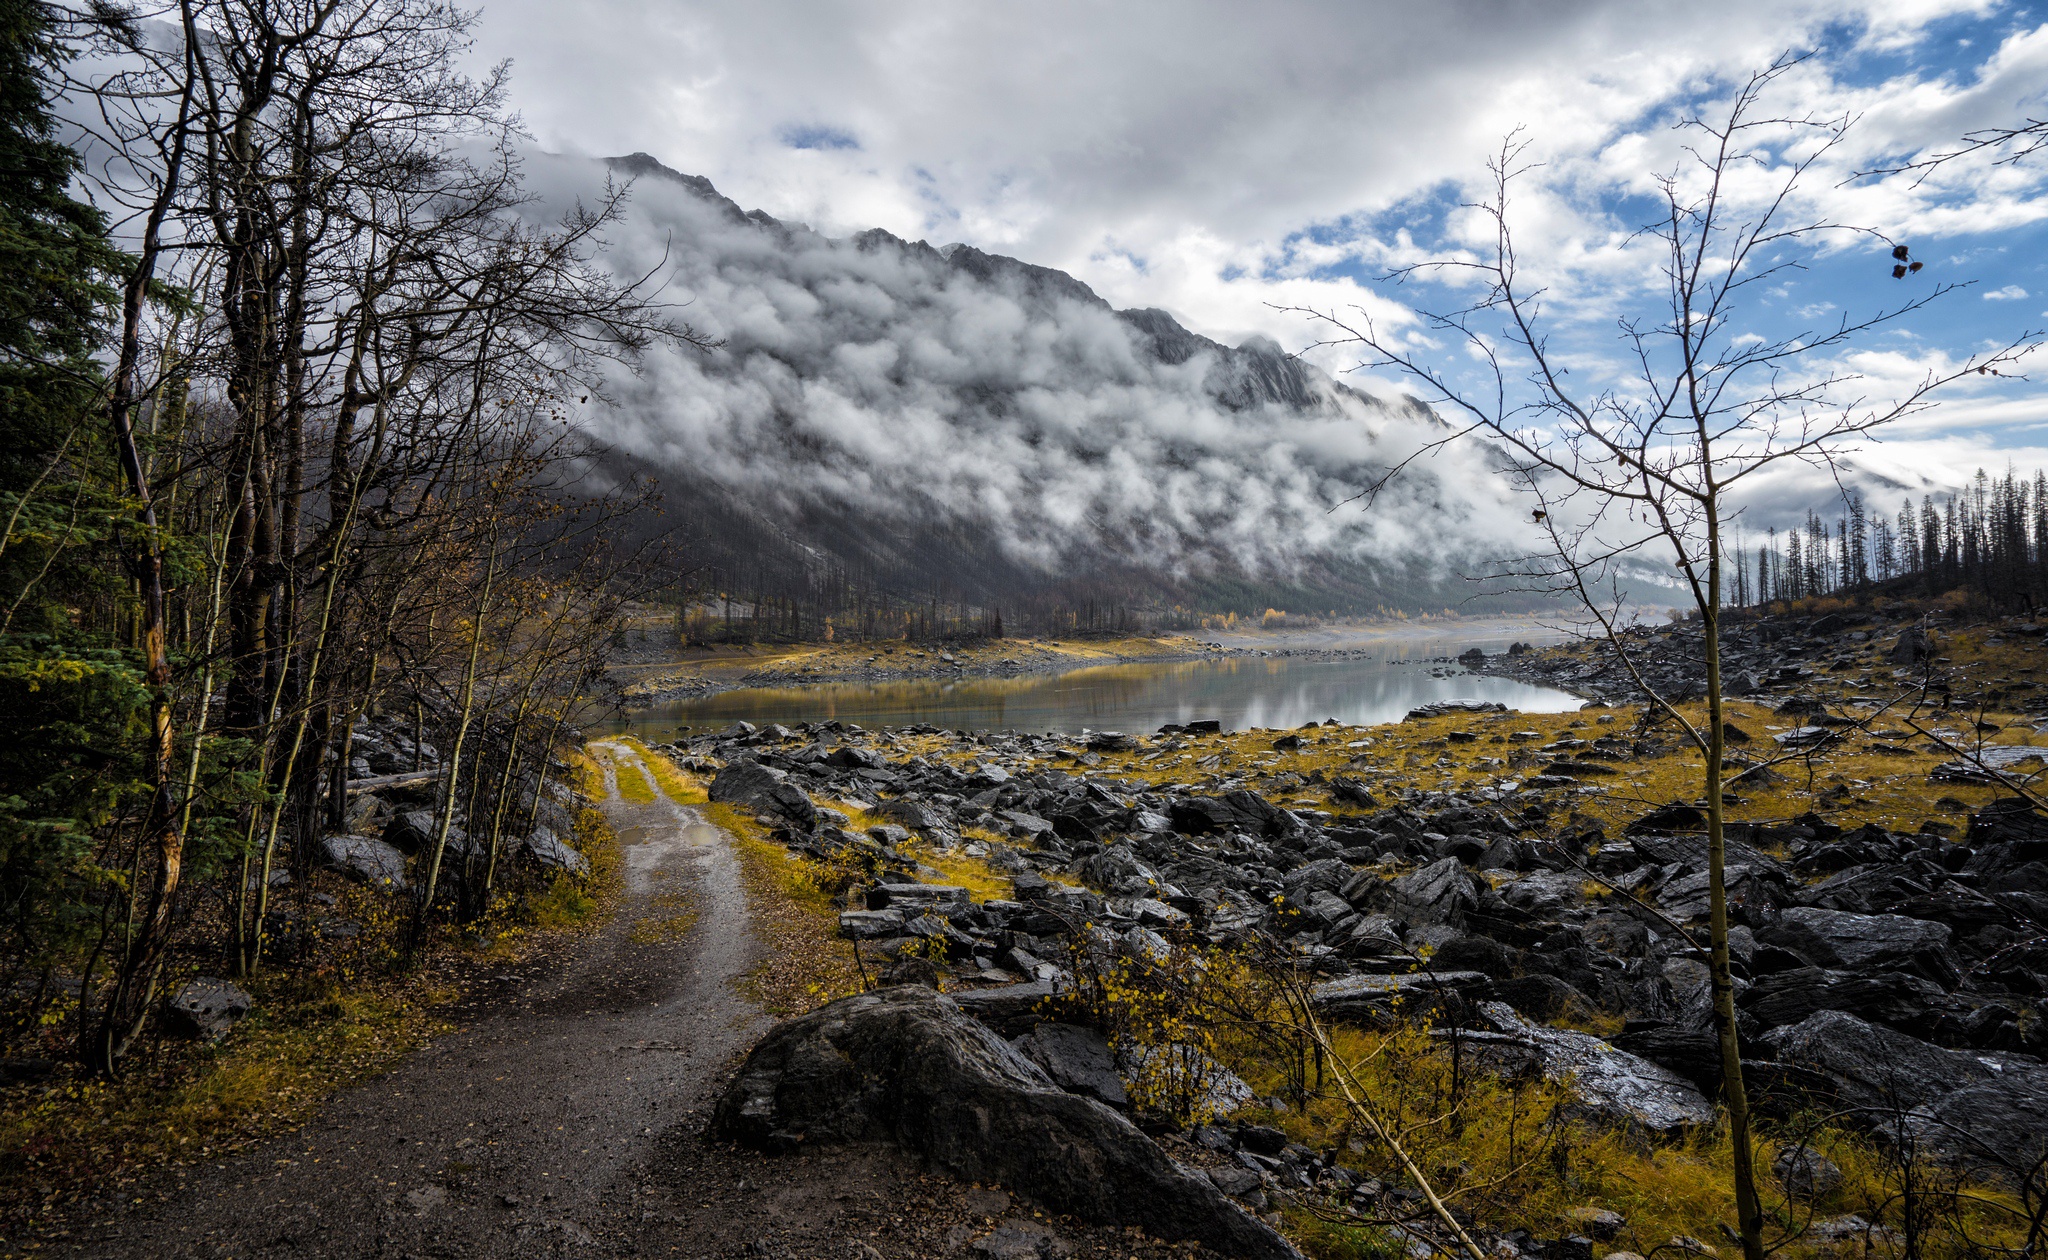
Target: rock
(411, 831)
(206, 1008)
(1874, 1067)
(1077, 1059)
(870, 925)
(765, 791)
(907, 1064)
(1445, 708)
(1012, 1010)
(1611, 1085)
(370, 860)
(1441, 892)
(1598, 1222)
(1888, 997)
(1867, 942)
(910, 970)
(911, 898)
(1911, 647)
(1371, 997)
(1805, 1173)
(1472, 658)
(547, 849)
(914, 814)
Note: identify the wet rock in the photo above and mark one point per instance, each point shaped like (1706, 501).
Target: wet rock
(1867, 942)
(1890, 997)
(411, 831)
(1874, 1067)
(906, 1064)
(1077, 1059)
(1372, 997)
(870, 925)
(764, 790)
(548, 850)
(1442, 892)
(1805, 1173)
(1609, 1084)
(206, 1009)
(367, 859)
(1444, 708)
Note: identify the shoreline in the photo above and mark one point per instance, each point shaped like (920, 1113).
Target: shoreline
(896, 661)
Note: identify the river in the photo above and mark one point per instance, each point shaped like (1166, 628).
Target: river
(1239, 691)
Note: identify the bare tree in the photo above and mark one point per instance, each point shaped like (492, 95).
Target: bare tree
(1649, 471)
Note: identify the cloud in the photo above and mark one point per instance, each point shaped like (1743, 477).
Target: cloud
(2010, 293)
(911, 387)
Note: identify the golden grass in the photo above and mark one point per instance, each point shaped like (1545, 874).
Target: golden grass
(805, 964)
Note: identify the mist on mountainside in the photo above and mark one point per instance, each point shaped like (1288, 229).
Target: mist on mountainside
(886, 420)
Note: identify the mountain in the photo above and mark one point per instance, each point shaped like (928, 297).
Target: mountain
(946, 424)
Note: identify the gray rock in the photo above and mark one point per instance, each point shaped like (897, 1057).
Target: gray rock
(1867, 942)
(907, 1064)
(410, 831)
(1441, 892)
(1372, 997)
(365, 858)
(206, 1008)
(1609, 1084)
(914, 814)
(1019, 1239)
(1077, 1059)
(547, 849)
(764, 790)
(1876, 1068)
(1805, 1173)
(870, 925)
(1911, 648)
(1886, 997)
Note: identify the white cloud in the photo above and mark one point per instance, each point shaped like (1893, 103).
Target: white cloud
(2010, 293)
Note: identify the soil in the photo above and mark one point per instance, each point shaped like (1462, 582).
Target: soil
(567, 1118)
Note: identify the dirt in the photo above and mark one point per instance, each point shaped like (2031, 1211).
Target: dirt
(567, 1118)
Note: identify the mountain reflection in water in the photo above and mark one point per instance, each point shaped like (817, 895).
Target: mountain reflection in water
(1241, 692)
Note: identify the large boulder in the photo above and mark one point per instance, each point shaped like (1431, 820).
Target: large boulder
(905, 1064)
(1442, 892)
(206, 1008)
(1989, 1111)
(1608, 1084)
(1867, 942)
(764, 790)
(367, 859)
(1874, 1068)
(1885, 997)
(550, 853)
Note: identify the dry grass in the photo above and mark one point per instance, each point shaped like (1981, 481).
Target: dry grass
(804, 964)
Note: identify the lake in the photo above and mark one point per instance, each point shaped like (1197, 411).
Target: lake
(1240, 692)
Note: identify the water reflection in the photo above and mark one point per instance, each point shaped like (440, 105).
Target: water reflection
(1240, 692)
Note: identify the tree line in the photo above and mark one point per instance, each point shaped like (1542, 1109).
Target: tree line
(1990, 539)
(288, 357)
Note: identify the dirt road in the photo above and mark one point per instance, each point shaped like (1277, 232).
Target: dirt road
(534, 1132)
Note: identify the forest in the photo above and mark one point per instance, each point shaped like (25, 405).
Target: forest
(1989, 542)
(287, 366)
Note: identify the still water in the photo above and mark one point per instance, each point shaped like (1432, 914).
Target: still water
(1241, 692)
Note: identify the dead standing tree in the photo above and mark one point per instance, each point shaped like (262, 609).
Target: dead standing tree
(1649, 470)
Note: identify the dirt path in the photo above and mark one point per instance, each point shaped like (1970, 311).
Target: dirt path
(530, 1133)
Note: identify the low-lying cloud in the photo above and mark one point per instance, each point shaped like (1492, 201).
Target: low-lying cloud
(893, 381)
